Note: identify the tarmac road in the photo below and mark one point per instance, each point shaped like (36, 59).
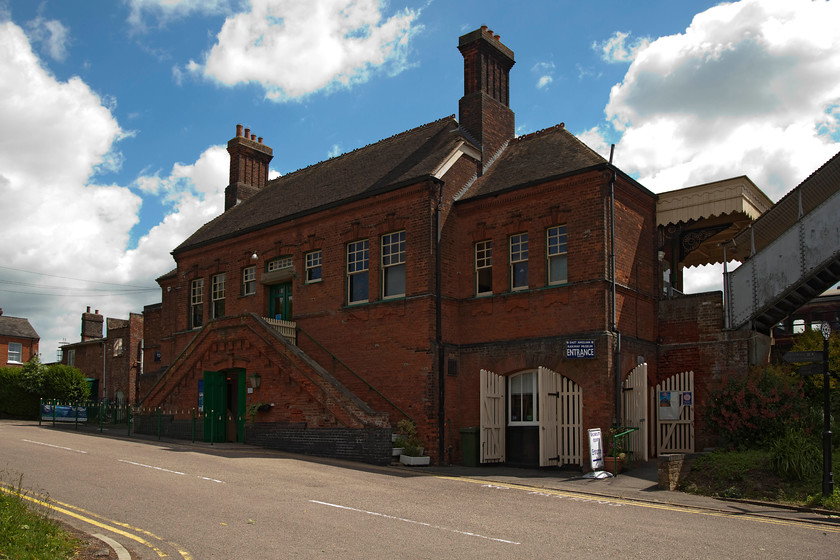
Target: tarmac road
(176, 500)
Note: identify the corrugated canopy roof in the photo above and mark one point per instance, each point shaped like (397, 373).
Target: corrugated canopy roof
(706, 217)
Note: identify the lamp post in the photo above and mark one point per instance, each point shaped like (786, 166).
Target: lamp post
(828, 480)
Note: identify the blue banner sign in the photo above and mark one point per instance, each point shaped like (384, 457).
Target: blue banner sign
(64, 413)
(580, 349)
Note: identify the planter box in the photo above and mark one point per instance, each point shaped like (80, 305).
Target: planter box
(396, 451)
(414, 461)
(613, 464)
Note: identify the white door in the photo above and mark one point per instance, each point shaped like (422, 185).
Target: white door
(493, 403)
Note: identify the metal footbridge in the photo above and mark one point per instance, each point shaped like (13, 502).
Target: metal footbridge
(789, 255)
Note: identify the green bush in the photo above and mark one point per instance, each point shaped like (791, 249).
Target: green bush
(16, 401)
(21, 388)
(54, 382)
(795, 455)
(751, 411)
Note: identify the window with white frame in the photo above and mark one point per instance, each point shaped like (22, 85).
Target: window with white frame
(218, 296)
(313, 266)
(522, 402)
(15, 352)
(197, 303)
(249, 281)
(279, 263)
(519, 261)
(357, 271)
(484, 267)
(555, 252)
(393, 264)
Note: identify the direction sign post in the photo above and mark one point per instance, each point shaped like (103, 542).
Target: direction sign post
(828, 479)
(803, 357)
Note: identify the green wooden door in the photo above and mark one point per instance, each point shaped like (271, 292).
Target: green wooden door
(215, 410)
(280, 302)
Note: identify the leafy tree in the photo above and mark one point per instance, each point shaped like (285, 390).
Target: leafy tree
(54, 382)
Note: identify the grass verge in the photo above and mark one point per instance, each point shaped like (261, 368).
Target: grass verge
(750, 475)
(27, 531)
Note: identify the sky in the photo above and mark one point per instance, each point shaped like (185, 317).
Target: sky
(116, 113)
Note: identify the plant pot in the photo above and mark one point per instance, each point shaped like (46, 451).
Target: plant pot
(414, 461)
(396, 451)
(613, 465)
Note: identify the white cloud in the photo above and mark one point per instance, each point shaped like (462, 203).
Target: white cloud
(749, 88)
(293, 48)
(544, 72)
(616, 49)
(52, 34)
(59, 225)
(165, 10)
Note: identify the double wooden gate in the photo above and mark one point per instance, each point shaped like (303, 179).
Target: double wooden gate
(559, 409)
(671, 435)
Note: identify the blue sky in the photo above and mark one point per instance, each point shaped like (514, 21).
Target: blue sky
(116, 112)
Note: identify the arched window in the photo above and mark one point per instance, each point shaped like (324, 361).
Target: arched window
(522, 399)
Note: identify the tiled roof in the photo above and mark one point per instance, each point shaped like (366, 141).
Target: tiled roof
(396, 161)
(17, 327)
(535, 157)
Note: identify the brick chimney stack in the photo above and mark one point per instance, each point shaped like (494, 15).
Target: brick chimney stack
(91, 325)
(249, 159)
(484, 111)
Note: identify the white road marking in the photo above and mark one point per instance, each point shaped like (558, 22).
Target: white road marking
(211, 479)
(167, 470)
(386, 516)
(151, 467)
(56, 446)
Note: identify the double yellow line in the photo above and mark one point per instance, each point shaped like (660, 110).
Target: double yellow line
(107, 524)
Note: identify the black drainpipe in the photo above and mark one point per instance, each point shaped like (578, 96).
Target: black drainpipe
(439, 330)
(614, 323)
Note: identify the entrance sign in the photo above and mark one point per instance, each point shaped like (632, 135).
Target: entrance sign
(580, 349)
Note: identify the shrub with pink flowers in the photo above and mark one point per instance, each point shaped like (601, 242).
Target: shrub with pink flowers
(755, 409)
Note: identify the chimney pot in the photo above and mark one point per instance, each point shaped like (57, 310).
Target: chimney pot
(97, 312)
(88, 309)
(247, 133)
(484, 28)
(254, 137)
(259, 139)
(238, 130)
(498, 37)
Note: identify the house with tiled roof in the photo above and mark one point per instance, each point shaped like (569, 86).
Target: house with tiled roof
(501, 292)
(18, 340)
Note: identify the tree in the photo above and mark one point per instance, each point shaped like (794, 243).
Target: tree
(54, 382)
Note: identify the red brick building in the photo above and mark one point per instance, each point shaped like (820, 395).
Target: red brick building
(453, 274)
(18, 341)
(112, 362)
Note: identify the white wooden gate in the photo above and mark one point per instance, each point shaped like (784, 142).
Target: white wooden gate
(676, 436)
(561, 424)
(634, 408)
(548, 407)
(571, 422)
(492, 431)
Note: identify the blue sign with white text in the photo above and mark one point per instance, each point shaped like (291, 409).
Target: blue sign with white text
(580, 349)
